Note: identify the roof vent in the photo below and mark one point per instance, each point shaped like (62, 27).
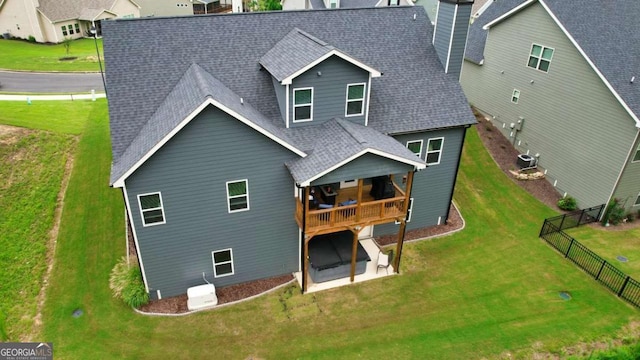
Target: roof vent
(241, 101)
(632, 79)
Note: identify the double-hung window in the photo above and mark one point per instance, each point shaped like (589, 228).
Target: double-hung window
(222, 262)
(540, 57)
(302, 104)
(238, 195)
(415, 146)
(515, 96)
(151, 209)
(434, 150)
(77, 28)
(355, 99)
(64, 30)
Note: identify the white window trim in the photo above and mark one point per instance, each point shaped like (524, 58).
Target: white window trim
(426, 155)
(164, 216)
(295, 106)
(346, 97)
(409, 212)
(635, 153)
(419, 154)
(229, 197)
(515, 95)
(540, 58)
(213, 259)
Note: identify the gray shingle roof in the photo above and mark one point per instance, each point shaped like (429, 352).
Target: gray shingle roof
(607, 31)
(147, 57)
(296, 50)
(338, 140)
(58, 10)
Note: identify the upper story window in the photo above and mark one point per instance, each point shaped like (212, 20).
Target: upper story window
(636, 157)
(333, 4)
(515, 96)
(302, 104)
(238, 195)
(151, 209)
(434, 150)
(355, 99)
(415, 146)
(540, 57)
(393, 2)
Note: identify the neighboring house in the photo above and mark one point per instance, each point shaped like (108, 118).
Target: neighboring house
(221, 145)
(562, 82)
(56, 20)
(187, 7)
(431, 6)
(337, 4)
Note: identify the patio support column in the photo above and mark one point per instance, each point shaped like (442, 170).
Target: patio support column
(305, 269)
(403, 223)
(354, 251)
(359, 199)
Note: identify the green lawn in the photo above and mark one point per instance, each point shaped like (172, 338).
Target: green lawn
(610, 243)
(478, 293)
(32, 165)
(23, 55)
(56, 116)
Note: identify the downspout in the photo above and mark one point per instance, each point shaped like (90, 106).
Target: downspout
(455, 177)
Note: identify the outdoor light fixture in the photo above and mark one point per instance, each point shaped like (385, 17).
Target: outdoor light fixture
(94, 32)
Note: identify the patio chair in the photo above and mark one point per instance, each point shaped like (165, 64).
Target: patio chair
(384, 261)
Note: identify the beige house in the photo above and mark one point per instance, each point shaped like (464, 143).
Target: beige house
(55, 20)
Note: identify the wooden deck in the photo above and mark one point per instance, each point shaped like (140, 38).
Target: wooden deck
(368, 212)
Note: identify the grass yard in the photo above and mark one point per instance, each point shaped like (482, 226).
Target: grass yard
(23, 55)
(32, 165)
(490, 289)
(611, 243)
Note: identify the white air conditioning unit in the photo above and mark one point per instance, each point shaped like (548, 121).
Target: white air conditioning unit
(201, 297)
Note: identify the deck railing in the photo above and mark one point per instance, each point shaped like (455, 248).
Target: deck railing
(370, 212)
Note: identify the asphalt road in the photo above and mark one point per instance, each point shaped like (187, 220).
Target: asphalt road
(11, 81)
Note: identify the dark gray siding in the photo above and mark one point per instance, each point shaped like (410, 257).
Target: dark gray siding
(452, 18)
(366, 166)
(281, 95)
(572, 120)
(433, 186)
(329, 90)
(191, 172)
(443, 29)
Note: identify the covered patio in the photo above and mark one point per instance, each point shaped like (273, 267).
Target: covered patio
(372, 272)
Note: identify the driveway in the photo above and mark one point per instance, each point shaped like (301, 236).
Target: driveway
(15, 81)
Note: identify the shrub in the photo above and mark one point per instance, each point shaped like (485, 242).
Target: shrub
(614, 213)
(31, 38)
(126, 283)
(567, 203)
(630, 217)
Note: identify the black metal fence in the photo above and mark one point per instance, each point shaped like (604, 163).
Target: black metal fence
(608, 275)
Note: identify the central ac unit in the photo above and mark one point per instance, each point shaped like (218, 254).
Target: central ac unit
(526, 161)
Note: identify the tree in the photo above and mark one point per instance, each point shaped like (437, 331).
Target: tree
(67, 44)
(265, 5)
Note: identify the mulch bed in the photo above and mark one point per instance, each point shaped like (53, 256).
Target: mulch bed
(227, 294)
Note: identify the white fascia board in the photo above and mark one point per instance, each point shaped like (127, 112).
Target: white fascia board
(509, 13)
(374, 73)
(120, 181)
(417, 164)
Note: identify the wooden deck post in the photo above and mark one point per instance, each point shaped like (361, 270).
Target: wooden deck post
(359, 199)
(354, 251)
(305, 270)
(403, 223)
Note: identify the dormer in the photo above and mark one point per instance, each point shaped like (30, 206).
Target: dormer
(315, 82)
